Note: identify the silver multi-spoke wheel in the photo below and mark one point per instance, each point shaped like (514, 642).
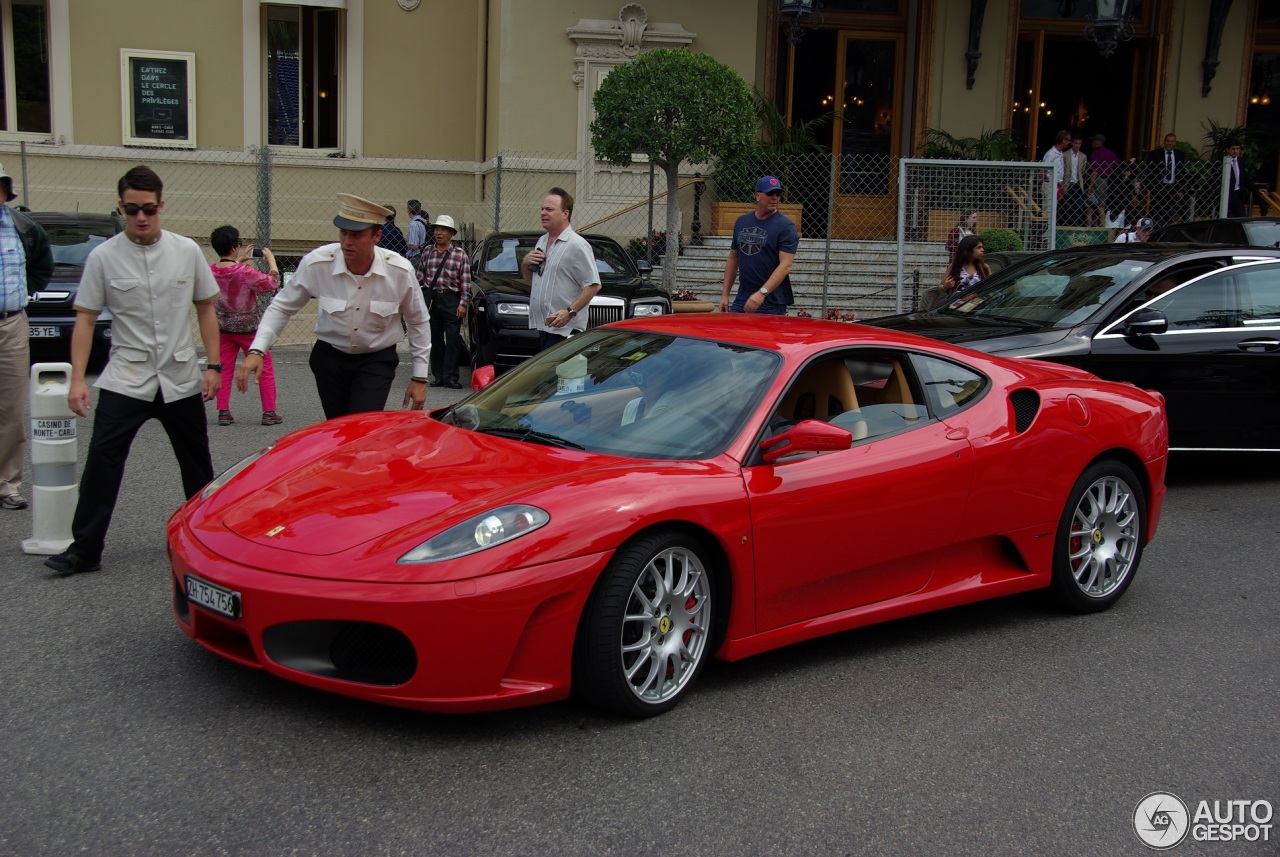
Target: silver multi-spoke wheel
(664, 628)
(1100, 538)
(1104, 537)
(650, 625)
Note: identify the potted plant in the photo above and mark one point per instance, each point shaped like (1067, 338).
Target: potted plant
(686, 300)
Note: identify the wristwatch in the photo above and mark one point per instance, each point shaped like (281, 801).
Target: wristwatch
(763, 290)
(217, 367)
(572, 314)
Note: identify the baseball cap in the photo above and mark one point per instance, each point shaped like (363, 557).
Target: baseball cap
(1147, 224)
(768, 184)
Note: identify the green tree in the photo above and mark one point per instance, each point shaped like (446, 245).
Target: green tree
(675, 106)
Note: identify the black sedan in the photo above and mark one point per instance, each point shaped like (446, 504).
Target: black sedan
(497, 326)
(1199, 324)
(49, 313)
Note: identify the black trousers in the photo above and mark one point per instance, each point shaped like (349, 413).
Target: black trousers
(1071, 209)
(446, 335)
(352, 383)
(116, 424)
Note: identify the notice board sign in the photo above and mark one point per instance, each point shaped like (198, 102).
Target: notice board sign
(158, 98)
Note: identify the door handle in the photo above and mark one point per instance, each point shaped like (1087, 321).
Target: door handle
(1259, 345)
(957, 433)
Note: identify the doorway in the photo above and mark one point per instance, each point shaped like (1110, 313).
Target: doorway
(1063, 83)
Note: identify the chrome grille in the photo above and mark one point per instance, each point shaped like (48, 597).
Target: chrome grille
(605, 310)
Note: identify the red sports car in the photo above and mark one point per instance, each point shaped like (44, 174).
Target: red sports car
(619, 509)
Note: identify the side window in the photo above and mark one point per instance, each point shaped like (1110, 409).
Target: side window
(1259, 295)
(951, 387)
(870, 393)
(1158, 285)
(1202, 305)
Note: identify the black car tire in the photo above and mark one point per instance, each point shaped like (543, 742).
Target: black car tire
(1100, 538)
(647, 629)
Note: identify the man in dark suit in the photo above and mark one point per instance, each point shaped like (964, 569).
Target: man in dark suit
(1240, 187)
(1164, 179)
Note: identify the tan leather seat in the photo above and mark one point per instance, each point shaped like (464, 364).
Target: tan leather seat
(824, 390)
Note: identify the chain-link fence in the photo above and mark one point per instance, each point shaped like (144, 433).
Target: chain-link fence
(873, 228)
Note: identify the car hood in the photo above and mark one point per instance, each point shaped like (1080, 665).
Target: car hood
(990, 336)
(392, 477)
(612, 286)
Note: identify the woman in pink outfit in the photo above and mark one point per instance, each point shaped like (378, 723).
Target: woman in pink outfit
(238, 317)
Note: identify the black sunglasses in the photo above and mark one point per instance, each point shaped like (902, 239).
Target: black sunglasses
(151, 209)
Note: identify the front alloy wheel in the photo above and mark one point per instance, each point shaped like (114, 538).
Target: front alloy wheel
(1100, 538)
(644, 634)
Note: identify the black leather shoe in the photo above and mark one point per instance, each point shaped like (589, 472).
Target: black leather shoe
(437, 383)
(453, 385)
(68, 563)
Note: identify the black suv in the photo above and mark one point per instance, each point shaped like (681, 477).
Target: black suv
(49, 312)
(1255, 231)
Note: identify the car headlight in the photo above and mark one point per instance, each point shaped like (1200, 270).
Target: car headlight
(475, 534)
(513, 309)
(228, 474)
(647, 310)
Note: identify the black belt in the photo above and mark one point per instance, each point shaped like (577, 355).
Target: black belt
(5, 316)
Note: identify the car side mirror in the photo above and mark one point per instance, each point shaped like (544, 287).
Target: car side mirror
(643, 266)
(1147, 322)
(806, 436)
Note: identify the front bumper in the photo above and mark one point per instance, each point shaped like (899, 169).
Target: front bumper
(498, 641)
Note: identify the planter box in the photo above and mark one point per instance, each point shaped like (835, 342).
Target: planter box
(725, 214)
(692, 306)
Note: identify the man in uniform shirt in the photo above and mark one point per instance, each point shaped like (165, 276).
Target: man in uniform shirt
(362, 291)
(148, 278)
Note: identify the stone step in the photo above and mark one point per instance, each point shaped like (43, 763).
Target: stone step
(852, 276)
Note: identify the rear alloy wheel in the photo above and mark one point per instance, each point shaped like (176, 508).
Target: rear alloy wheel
(1100, 538)
(644, 634)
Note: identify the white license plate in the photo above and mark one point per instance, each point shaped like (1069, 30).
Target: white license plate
(44, 332)
(216, 598)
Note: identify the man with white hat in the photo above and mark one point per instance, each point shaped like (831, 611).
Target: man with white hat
(362, 291)
(1141, 233)
(446, 285)
(23, 241)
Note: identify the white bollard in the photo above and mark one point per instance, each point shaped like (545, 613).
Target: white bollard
(54, 489)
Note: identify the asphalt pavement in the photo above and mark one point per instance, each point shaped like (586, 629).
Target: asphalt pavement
(999, 728)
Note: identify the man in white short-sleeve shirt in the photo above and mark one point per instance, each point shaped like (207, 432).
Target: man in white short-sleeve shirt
(149, 279)
(361, 292)
(562, 271)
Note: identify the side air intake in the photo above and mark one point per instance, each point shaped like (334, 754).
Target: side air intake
(1026, 404)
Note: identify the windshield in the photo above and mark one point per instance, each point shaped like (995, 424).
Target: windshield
(71, 242)
(1055, 291)
(1263, 233)
(626, 393)
(504, 255)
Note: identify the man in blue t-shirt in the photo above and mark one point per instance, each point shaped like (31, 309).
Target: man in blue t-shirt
(760, 256)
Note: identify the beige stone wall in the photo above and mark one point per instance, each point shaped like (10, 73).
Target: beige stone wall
(532, 98)
(969, 112)
(424, 77)
(1185, 110)
(208, 28)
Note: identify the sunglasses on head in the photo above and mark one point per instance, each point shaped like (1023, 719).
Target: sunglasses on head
(151, 209)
